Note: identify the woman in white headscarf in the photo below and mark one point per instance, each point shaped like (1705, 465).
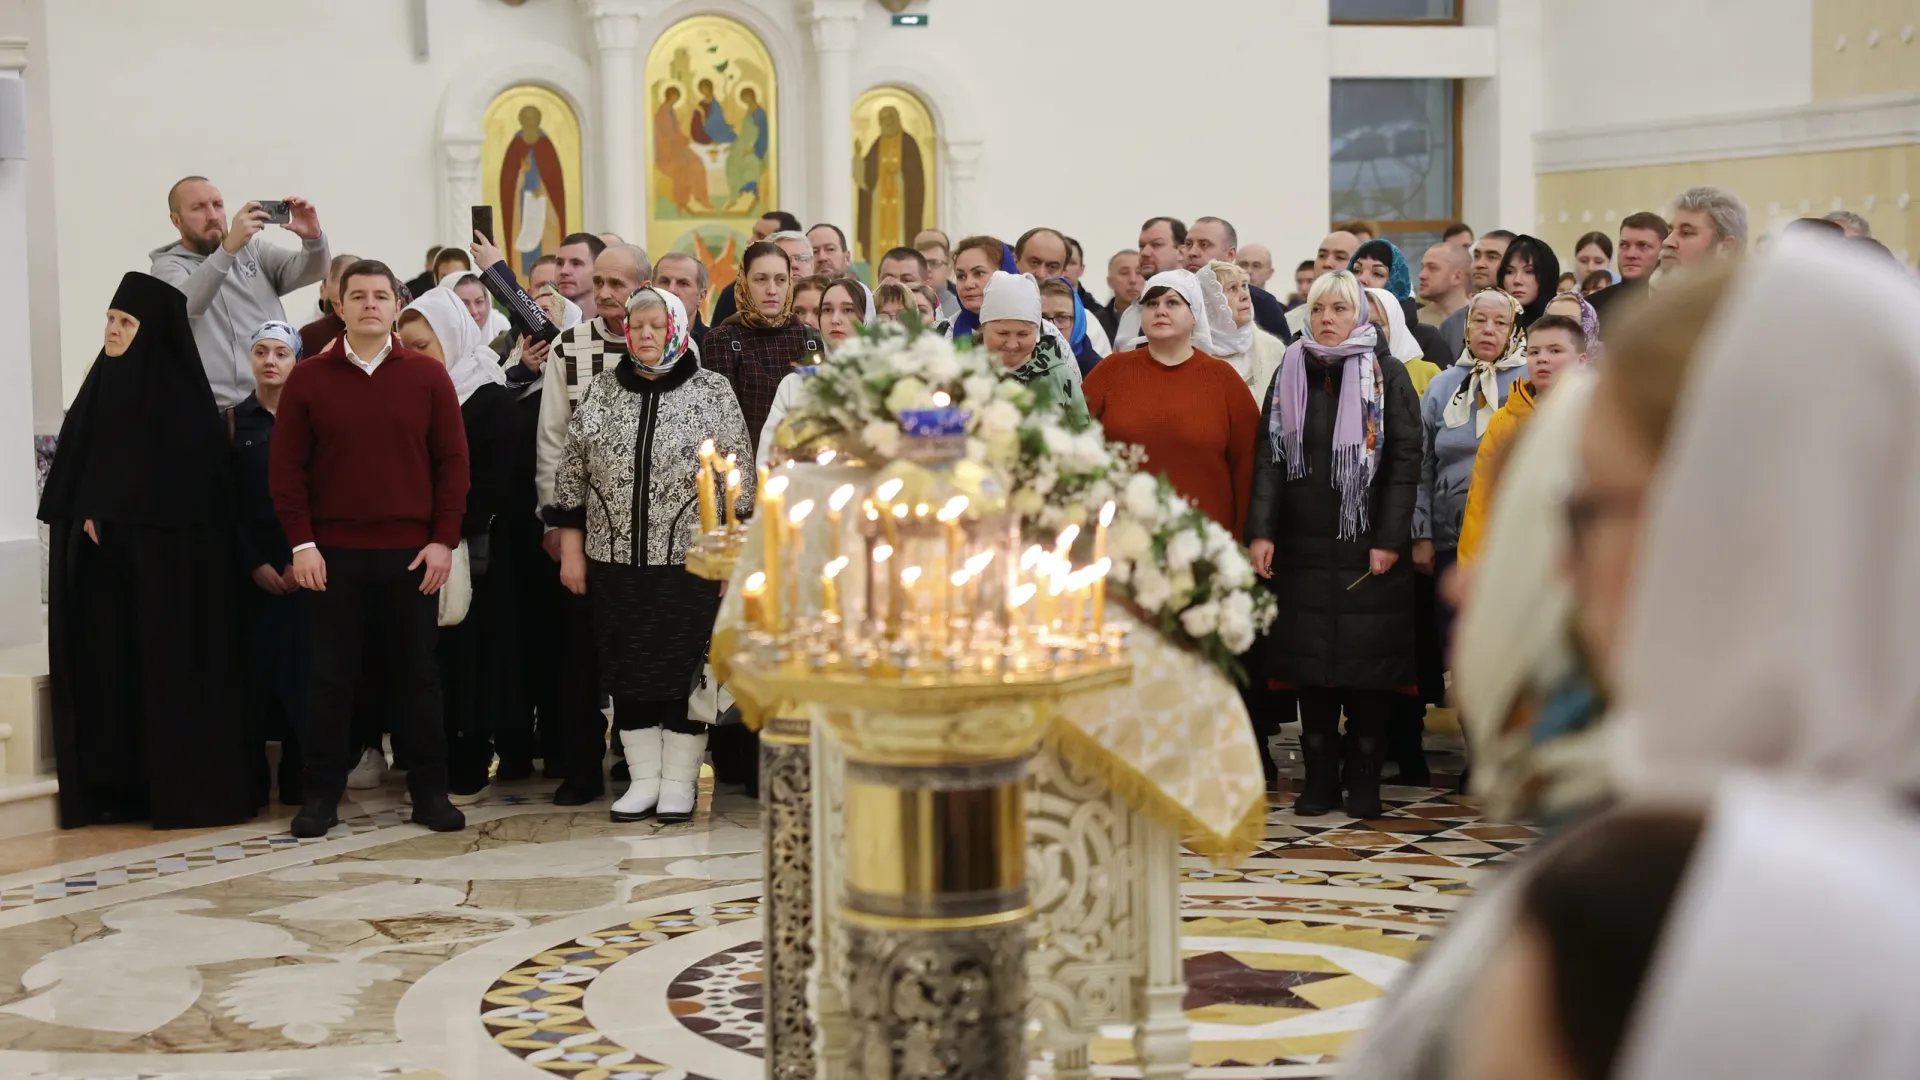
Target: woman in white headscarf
(1402, 342)
(472, 294)
(1254, 353)
(477, 655)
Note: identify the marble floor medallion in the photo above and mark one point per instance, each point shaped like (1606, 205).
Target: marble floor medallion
(550, 942)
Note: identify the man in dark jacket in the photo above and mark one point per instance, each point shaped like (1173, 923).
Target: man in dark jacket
(1637, 252)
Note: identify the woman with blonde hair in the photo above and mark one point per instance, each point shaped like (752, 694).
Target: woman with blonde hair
(1331, 524)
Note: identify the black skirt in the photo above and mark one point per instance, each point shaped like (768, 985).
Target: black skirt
(651, 627)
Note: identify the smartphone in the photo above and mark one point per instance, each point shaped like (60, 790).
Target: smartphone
(483, 222)
(278, 212)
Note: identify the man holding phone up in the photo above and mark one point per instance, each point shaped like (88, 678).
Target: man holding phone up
(233, 281)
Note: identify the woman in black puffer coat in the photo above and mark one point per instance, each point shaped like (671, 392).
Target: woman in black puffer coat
(1331, 526)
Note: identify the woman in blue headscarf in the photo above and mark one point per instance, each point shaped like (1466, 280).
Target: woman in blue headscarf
(974, 261)
(1060, 305)
(1380, 265)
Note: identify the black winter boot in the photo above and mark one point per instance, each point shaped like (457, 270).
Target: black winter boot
(1320, 790)
(1365, 753)
(1407, 747)
(318, 814)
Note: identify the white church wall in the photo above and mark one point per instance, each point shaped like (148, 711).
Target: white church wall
(1638, 61)
(1062, 100)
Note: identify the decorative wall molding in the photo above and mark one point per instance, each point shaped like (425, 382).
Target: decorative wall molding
(13, 54)
(1850, 124)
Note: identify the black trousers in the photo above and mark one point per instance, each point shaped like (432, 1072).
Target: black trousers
(279, 651)
(1368, 711)
(632, 714)
(368, 588)
(582, 726)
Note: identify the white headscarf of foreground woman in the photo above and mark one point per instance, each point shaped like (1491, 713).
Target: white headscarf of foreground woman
(1775, 619)
(470, 363)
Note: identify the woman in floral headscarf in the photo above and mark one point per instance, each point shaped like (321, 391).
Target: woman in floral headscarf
(1458, 406)
(624, 502)
(762, 342)
(1331, 526)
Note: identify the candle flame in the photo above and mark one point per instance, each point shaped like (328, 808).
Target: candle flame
(832, 569)
(1032, 556)
(733, 478)
(706, 448)
(889, 489)
(882, 553)
(910, 576)
(1058, 585)
(800, 510)
(959, 579)
(755, 584)
(979, 562)
(1067, 536)
(1102, 568)
(942, 399)
(840, 497)
(955, 507)
(732, 460)
(777, 487)
(826, 457)
(899, 510)
(1023, 594)
(1106, 514)
(922, 510)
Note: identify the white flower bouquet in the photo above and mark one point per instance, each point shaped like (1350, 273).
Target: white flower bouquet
(1180, 570)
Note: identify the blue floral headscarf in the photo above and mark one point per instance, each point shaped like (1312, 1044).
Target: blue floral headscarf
(1399, 275)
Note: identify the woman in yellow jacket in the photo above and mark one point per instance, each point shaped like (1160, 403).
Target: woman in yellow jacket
(1555, 343)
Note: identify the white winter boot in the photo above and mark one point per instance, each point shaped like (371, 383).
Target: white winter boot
(642, 748)
(680, 775)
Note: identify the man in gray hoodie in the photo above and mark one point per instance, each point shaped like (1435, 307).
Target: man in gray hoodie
(233, 281)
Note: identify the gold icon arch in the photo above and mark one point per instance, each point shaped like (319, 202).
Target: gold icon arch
(712, 142)
(530, 172)
(895, 171)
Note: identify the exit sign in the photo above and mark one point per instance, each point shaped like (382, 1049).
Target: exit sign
(910, 20)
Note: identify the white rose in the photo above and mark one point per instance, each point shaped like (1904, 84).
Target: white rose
(1151, 590)
(999, 417)
(1128, 540)
(904, 362)
(1075, 514)
(1101, 493)
(1003, 449)
(977, 450)
(1181, 581)
(1231, 570)
(1059, 443)
(883, 437)
(1201, 619)
(1236, 631)
(908, 393)
(1027, 502)
(943, 368)
(1015, 391)
(1237, 605)
(1184, 548)
(1121, 572)
(1143, 498)
(978, 389)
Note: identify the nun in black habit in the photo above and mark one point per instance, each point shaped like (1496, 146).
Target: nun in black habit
(149, 715)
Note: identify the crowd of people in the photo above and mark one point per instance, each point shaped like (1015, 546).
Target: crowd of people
(441, 527)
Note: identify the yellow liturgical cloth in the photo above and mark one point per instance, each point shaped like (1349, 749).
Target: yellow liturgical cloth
(1175, 743)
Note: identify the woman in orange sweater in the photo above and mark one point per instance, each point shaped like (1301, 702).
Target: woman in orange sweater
(1189, 411)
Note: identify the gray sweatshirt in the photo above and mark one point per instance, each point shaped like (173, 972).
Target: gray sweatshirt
(229, 296)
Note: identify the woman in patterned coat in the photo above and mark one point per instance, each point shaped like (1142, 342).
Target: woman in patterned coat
(626, 506)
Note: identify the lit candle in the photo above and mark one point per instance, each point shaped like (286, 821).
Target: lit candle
(836, 503)
(1100, 571)
(830, 587)
(753, 592)
(770, 537)
(910, 577)
(733, 496)
(882, 568)
(942, 399)
(1063, 545)
(795, 541)
(976, 567)
(1017, 602)
(1100, 534)
(703, 477)
(826, 457)
(956, 590)
(1056, 589)
(890, 516)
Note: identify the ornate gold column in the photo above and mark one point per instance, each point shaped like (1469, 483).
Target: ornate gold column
(786, 822)
(936, 918)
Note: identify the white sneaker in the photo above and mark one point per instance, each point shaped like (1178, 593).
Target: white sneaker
(643, 775)
(371, 772)
(458, 799)
(680, 775)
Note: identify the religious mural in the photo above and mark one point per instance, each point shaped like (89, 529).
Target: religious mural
(712, 109)
(530, 173)
(894, 171)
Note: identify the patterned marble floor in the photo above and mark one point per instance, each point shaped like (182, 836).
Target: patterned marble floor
(548, 942)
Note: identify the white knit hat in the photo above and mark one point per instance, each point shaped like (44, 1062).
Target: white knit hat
(1011, 296)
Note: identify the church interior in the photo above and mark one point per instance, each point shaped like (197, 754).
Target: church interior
(1177, 918)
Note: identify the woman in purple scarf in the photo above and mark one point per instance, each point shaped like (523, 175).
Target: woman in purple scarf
(1331, 528)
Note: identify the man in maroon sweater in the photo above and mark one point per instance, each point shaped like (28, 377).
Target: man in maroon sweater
(369, 478)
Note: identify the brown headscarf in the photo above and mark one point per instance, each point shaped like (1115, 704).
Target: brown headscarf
(743, 301)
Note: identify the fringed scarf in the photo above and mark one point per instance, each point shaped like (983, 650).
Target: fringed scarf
(1478, 396)
(1359, 425)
